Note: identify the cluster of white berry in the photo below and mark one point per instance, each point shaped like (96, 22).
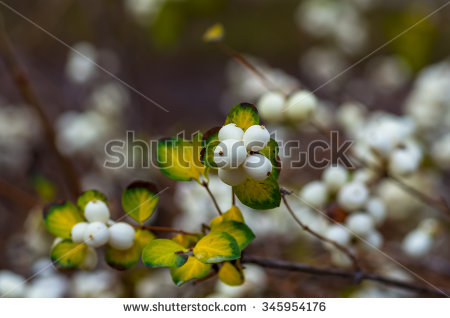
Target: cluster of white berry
(100, 230)
(420, 240)
(364, 212)
(275, 107)
(237, 155)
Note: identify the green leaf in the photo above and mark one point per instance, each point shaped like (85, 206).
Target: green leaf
(192, 269)
(243, 115)
(217, 247)
(67, 254)
(271, 152)
(125, 259)
(233, 214)
(187, 241)
(139, 200)
(179, 159)
(259, 195)
(88, 196)
(210, 140)
(163, 253)
(241, 232)
(232, 275)
(60, 218)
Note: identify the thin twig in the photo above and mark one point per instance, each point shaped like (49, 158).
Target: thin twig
(204, 184)
(163, 229)
(355, 276)
(340, 247)
(233, 197)
(24, 87)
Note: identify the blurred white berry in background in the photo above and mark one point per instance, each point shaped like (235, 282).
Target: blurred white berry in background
(376, 209)
(374, 238)
(300, 105)
(230, 131)
(80, 66)
(440, 151)
(257, 167)
(403, 162)
(96, 234)
(230, 154)
(360, 223)
(339, 234)
(315, 194)
(271, 105)
(256, 137)
(353, 196)
(78, 231)
(335, 177)
(417, 243)
(232, 177)
(90, 261)
(97, 211)
(121, 236)
(11, 284)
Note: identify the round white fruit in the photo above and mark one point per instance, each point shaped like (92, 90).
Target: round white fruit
(375, 239)
(230, 131)
(230, 154)
(78, 232)
(270, 106)
(376, 208)
(301, 105)
(256, 137)
(360, 223)
(403, 162)
(335, 177)
(417, 243)
(314, 193)
(258, 167)
(97, 211)
(121, 236)
(338, 234)
(232, 177)
(96, 234)
(353, 196)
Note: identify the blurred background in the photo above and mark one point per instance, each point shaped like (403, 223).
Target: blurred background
(155, 47)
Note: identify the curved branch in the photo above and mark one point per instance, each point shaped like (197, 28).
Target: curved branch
(355, 276)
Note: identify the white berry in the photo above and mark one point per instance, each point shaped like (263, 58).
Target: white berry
(270, 106)
(258, 167)
(230, 131)
(353, 196)
(78, 232)
(377, 210)
(417, 243)
(403, 162)
(96, 234)
(230, 154)
(375, 239)
(90, 261)
(232, 177)
(360, 223)
(338, 234)
(301, 105)
(97, 211)
(256, 137)
(335, 177)
(314, 193)
(380, 142)
(121, 236)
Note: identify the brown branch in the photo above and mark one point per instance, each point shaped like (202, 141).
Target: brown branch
(355, 276)
(204, 184)
(340, 247)
(17, 196)
(24, 87)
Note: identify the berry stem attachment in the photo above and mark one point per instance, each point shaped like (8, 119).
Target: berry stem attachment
(204, 184)
(340, 247)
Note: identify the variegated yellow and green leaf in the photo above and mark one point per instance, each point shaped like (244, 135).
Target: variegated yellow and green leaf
(88, 196)
(217, 247)
(231, 274)
(164, 253)
(139, 200)
(211, 140)
(259, 195)
(243, 115)
(239, 231)
(187, 241)
(67, 254)
(271, 152)
(60, 218)
(192, 269)
(233, 214)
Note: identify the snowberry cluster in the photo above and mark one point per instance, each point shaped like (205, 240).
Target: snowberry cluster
(100, 230)
(237, 154)
(299, 106)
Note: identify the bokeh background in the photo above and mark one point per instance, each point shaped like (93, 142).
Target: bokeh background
(156, 47)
